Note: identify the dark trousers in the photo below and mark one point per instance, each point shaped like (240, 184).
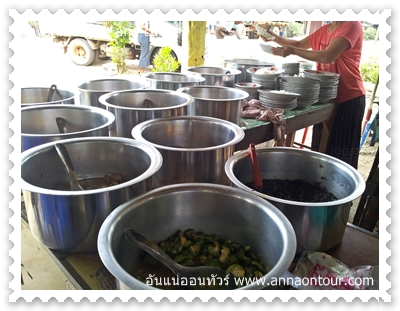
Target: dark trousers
(344, 140)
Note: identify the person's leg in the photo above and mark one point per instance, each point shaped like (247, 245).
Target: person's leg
(346, 132)
(144, 51)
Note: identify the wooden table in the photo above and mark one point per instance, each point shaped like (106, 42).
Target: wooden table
(257, 132)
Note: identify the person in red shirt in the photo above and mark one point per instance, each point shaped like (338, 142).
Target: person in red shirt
(335, 47)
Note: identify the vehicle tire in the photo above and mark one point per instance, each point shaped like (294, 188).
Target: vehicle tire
(241, 31)
(80, 52)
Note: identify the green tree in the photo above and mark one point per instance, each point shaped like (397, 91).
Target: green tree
(370, 69)
(121, 34)
(370, 33)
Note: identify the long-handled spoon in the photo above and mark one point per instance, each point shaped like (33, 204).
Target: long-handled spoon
(64, 156)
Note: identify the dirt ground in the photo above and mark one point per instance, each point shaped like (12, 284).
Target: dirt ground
(43, 64)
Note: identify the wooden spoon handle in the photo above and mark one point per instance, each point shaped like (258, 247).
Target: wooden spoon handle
(256, 168)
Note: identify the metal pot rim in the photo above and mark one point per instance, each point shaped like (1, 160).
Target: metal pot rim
(197, 77)
(110, 116)
(138, 129)
(103, 99)
(246, 61)
(230, 163)
(231, 71)
(81, 88)
(243, 94)
(111, 263)
(23, 105)
(154, 154)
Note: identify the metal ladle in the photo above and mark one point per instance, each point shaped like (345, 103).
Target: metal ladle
(64, 156)
(188, 272)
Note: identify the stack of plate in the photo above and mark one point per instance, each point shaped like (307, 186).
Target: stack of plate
(265, 76)
(249, 87)
(308, 89)
(328, 82)
(291, 69)
(278, 99)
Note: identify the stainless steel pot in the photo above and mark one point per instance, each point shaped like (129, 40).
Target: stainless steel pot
(46, 96)
(133, 107)
(172, 80)
(90, 91)
(226, 211)
(194, 148)
(216, 76)
(216, 101)
(46, 123)
(318, 226)
(242, 65)
(70, 220)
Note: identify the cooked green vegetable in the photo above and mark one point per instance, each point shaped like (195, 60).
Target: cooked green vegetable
(190, 248)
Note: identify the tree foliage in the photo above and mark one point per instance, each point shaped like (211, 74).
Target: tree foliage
(120, 34)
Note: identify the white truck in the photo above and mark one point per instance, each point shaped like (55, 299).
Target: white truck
(84, 42)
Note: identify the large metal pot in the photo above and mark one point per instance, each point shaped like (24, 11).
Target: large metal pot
(90, 91)
(194, 148)
(318, 226)
(46, 123)
(216, 76)
(226, 211)
(46, 96)
(216, 101)
(133, 107)
(242, 65)
(172, 80)
(70, 220)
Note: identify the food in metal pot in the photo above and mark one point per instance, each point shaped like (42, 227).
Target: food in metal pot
(190, 248)
(108, 180)
(294, 190)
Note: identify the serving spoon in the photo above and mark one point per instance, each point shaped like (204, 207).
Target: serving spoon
(69, 168)
(187, 272)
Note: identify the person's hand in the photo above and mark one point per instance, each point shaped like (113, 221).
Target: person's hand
(153, 34)
(271, 36)
(282, 51)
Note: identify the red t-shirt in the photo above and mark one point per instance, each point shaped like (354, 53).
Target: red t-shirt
(348, 64)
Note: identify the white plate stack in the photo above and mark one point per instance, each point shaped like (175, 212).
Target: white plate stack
(291, 69)
(278, 99)
(249, 87)
(265, 76)
(328, 82)
(308, 89)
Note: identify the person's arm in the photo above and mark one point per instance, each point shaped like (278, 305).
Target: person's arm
(302, 44)
(332, 52)
(146, 30)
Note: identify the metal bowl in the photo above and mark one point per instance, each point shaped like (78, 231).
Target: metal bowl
(216, 101)
(229, 212)
(242, 65)
(46, 123)
(133, 107)
(216, 76)
(70, 220)
(318, 226)
(194, 148)
(172, 80)
(43, 96)
(90, 91)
